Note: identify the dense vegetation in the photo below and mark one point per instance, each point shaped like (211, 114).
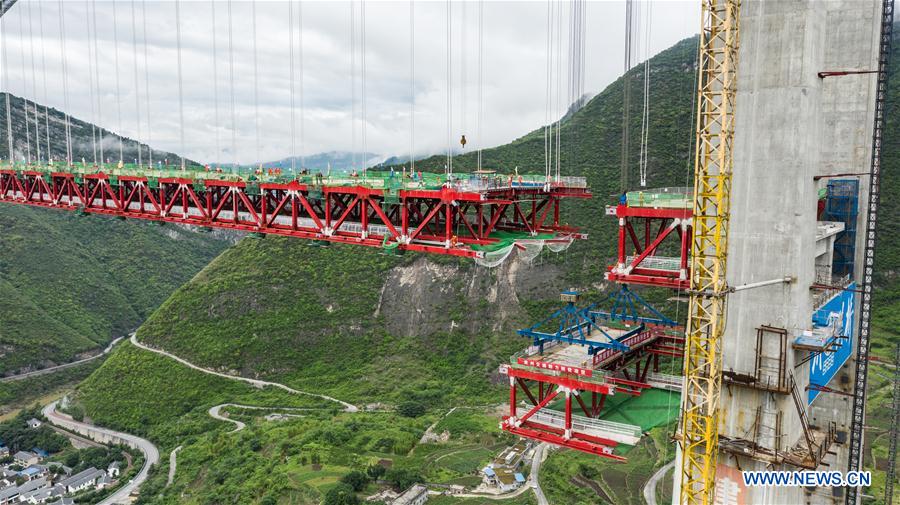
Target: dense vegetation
(21, 393)
(69, 284)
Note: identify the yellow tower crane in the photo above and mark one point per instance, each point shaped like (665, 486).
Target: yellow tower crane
(699, 430)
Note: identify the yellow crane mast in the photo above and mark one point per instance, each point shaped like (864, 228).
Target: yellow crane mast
(712, 196)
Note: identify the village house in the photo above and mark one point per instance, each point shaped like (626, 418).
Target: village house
(83, 480)
(13, 494)
(504, 479)
(44, 494)
(26, 458)
(416, 495)
(33, 472)
(34, 423)
(114, 469)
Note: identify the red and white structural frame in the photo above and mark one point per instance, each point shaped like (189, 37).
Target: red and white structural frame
(647, 234)
(444, 221)
(545, 382)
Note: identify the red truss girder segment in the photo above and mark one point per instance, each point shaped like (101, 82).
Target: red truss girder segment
(642, 233)
(550, 386)
(443, 221)
(655, 341)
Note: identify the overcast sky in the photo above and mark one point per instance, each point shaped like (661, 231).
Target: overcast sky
(514, 62)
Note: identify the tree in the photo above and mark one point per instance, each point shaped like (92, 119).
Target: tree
(342, 494)
(356, 480)
(375, 472)
(410, 409)
(401, 479)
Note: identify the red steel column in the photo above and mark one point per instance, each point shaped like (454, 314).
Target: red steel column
(621, 258)
(568, 427)
(448, 225)
(685, 249)
(512, 397)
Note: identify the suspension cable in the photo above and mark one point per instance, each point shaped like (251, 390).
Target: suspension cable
(91, 56)
(362, 64)
(24, 90)
(291, 79)
(559, 111)
(234, 164)
(118, 87)
(137, 94)
(548, 128)
(5, 76)
(480, 117)
(147, 84)
(463, 71)
(35, 112)
(353, 114)
(412, 87)
(300, 60)
(255, 83)
(180, 79)
(215, 58)
(65, 80)
(626, 102)
(645, 117)
(449, 169)
(97, 80)
(44, 74)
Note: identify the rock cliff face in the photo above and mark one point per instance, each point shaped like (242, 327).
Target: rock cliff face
(423, 297)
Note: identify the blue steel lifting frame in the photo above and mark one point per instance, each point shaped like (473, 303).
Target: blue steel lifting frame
(574, 327)
(625, 308)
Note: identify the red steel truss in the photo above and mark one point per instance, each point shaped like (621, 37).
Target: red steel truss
(444, 221)
(544, 382)
(645, 233)
(549, 386)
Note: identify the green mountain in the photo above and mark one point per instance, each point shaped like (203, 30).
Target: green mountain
(30, 122)
(69, 284)
(417, 330)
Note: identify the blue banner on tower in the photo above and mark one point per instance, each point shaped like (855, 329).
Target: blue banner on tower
(839, 312)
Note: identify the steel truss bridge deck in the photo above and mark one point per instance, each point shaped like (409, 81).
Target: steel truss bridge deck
(452, 220)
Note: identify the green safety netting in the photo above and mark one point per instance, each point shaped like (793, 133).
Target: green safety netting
(654, 407)
(529, 246)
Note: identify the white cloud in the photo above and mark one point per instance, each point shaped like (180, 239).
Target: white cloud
(514, 70)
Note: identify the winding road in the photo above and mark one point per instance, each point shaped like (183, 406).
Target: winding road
(215, 413)
(104, 435)
(173, 464)
(44, 371)
(650, 486)
(255, 382)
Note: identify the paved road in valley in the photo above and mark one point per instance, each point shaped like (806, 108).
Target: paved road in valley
(540, 454)
(214, 412)
(44, 371)
(258, 383)
(650, 486)
(173, 463)
(151, 453)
